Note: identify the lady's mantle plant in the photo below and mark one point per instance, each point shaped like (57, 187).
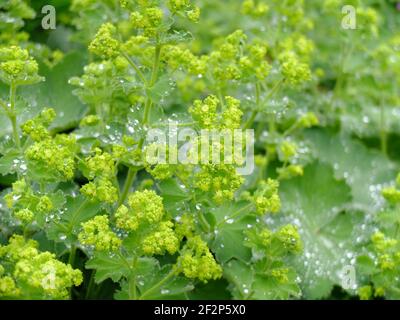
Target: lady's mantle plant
(85, 213)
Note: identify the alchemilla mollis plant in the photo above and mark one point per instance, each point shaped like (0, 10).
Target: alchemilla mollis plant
(182, 149)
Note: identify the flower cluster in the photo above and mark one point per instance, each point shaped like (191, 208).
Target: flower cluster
(275, 243)
(17, 67)
(293, 70)
(233, 60)
(159, 164)
(266, 197)
(221, 181)
(178, 57)
(205, 113)
(36, 128)
(25, 272)
(97, 86)
(104, 43)
(387, 253)
(392, 194)
(97, 232)
(56, 154)
(162, 239)
(100, 170)
(145, 207)
(25, 203)
(197, 262)
(253, 8)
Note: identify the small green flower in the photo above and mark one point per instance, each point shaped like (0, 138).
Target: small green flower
(17, 67)
(104, 43)
(290, 238)
(97, 232)
(197, 262)
(24, 215)
(145, 207)
(162, 239)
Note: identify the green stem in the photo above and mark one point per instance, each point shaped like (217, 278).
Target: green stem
(340, 77)
(132, 292)
(135, 67)
(253, 115)
(204, 223)
(383, 132)
(127, 185)
(72, 255)
(291, 129)
(159, 284)
(153, 80)
(90, 285)
(132, 172)
(12, 116)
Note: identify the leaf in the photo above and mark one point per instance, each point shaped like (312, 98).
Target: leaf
(8, 162)
(247, 284)
(174, 288)
(364, 170)
(231, 221)
(315, 202)
(212, 290)
(241, 277)
(161, 89)
(107, 265)
(66, 226)
(176, 37)
(56, 93)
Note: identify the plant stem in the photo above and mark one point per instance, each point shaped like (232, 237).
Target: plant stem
(383, 132)
(12, 116)
(253, 115)
(132, 172)
(159, 284)
(127, 185)
(72, 255)
(135, 67)
(132, 292)
(90, 285)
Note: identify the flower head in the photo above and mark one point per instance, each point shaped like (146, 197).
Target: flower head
(97, 232)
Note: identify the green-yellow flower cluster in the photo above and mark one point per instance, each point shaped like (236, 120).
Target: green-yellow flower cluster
(25, 272)
(97, 232)
(197, 262)
(17, 67)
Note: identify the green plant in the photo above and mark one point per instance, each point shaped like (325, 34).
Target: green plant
(86, 212)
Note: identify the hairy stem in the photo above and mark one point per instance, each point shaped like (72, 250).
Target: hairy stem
(12, 116)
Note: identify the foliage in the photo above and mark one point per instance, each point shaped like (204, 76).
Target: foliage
(83, 208)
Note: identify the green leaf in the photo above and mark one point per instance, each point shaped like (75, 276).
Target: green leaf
(171, 191)
(364, 170)
(246, 283)
(8, 162)
(174, 288)
(315, 203)
(108, 265)
(66, 226)
(56, 93)
(212, 290)
(161, 89)
(231, 222)
(176, 37)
